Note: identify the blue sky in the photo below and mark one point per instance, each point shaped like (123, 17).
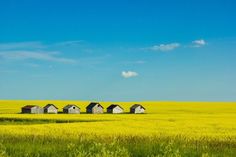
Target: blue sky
(118, 50)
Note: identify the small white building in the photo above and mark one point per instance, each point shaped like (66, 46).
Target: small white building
(50, 108)
(71, 109)
(94, 108)
(114, 108)
(33, 109)
(137, 108)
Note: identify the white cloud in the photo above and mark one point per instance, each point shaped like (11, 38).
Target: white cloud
(139, 62)
(69, 43)
(21, 45)
(33, 65)
(134, 62)
(36, 45)
(165, 47)
(8, 71)
(35, 55)
(199, 43)
(128, 74)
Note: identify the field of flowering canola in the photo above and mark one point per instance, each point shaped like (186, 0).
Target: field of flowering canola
(166, 129)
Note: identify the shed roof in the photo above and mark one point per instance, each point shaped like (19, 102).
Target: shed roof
(70, 105)
(112, 106)
(29, 106)
(137, 105)
(92, 104)
(48, 105)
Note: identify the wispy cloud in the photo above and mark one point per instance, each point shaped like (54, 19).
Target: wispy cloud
(69, 43)
(35, 55)
(164, 47)
(33, 65)
(138, 62)
(128, 74)
(21, 45)
(8, 71)
(134, 62)
(36, 45)
(199, 43)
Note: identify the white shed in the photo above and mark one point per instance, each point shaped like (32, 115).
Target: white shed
(34, 109)
(94, 108)
(50, 108)
(114, 108)
(71, 109)
(137, 108)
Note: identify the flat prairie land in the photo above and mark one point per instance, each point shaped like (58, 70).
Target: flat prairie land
(166, 129)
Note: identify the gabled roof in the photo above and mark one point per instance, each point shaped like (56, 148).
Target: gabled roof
(70, 105)
(92, 104)
(29, 106)
(112, 106)
(137, 105)
(48, 105)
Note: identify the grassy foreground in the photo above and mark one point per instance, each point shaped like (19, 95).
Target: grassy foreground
(167, 129)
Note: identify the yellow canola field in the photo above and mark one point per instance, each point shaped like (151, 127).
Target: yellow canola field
(192, 120)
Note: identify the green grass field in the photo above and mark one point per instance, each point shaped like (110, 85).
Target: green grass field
(166, 129)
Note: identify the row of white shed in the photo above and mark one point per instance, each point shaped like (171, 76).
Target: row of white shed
(93, 107)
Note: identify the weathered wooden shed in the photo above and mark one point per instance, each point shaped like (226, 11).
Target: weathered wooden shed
(114, 108)
(33, 109)
(137, 108)
(50, 108)
(71, 109)
(94, 108)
